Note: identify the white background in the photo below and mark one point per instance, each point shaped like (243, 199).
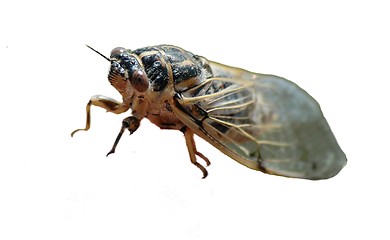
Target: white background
(53, 186)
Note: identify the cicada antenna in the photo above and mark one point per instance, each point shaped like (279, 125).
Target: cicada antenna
(97, 52)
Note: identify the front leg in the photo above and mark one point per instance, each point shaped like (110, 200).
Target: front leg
(111, 105)
(132, 124)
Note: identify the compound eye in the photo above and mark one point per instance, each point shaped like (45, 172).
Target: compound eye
(139, 81)
(117, 50)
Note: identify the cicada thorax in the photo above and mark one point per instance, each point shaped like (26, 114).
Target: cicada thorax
(170, 70)
(167, 65)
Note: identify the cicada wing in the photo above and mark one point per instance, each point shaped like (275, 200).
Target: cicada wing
(262, 121)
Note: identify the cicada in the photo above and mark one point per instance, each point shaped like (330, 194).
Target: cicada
(262, 121)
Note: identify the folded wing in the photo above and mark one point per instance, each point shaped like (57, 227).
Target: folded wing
(264, 122)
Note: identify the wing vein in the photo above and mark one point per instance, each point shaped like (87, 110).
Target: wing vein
(238, 106)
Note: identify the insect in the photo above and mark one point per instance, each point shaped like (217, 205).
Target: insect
(264, 122)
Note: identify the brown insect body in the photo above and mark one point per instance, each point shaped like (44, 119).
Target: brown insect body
(243, 114)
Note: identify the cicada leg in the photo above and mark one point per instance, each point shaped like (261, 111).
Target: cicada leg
(111, 105)
(132, 124)
(189, 137)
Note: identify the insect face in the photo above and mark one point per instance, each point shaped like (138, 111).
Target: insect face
(126, 71)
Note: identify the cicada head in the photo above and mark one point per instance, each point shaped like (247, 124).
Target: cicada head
(126, 72)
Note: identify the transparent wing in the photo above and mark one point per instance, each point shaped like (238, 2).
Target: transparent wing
(264, 122)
